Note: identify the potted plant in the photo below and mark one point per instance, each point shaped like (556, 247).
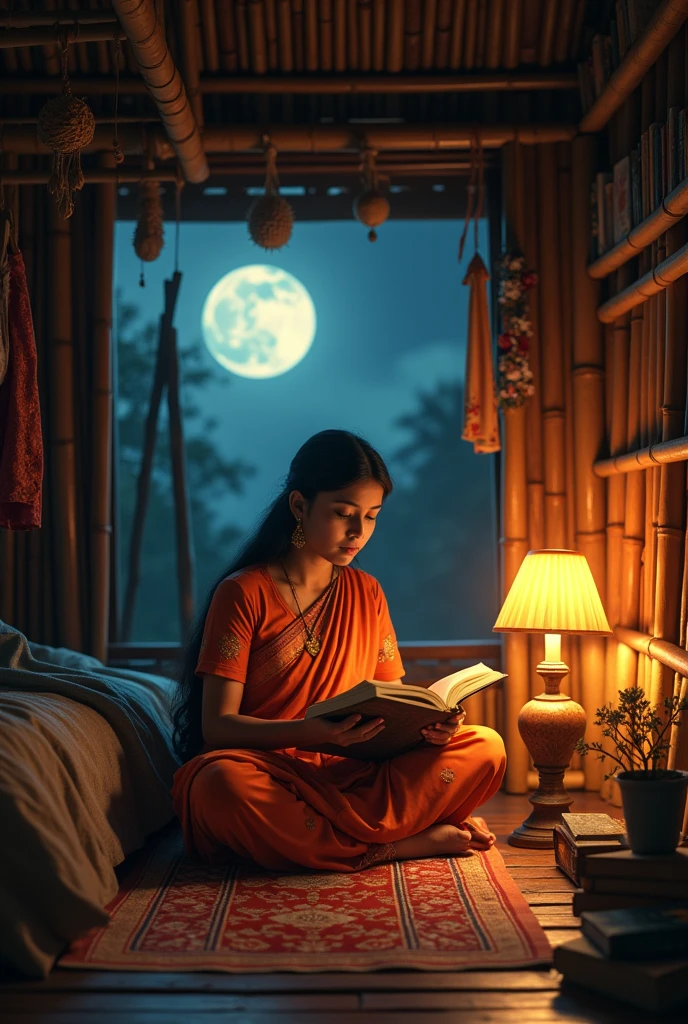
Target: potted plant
(653, 796)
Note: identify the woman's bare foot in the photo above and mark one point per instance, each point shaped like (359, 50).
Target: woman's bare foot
(446, 840)
(436, 841)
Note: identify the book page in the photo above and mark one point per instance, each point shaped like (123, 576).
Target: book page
(460, 682)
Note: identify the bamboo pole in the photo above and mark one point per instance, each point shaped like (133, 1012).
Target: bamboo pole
(470, 34)
(655, 281)
(395, 38)
(241, 29)
(258, 37)
(188, 11)
(286, 52)
(182, 513)
(311, 47)
(101, 470)
(514, 504)
(412, 34)
(443, 30)
(365, 36)
(226, 37)
(512, 33)
(340, 35)
(563, 35)
(210, 36)
(428, 37)
(481, 35)
(160, 379)
(379, 37)
(493, 47)
(553, 422)
(534, 460)
(548, 24)
(63, 456)
(271, 35)
(666, 21)
(326, 35)
(149, 48)
(352, 35)
(11, 38)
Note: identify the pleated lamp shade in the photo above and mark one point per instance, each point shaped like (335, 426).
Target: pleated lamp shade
(553, 592)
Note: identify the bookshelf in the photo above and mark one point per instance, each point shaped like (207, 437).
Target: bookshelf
(651, 42)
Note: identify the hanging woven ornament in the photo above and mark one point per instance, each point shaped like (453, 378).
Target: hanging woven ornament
(149, 237)
(371, 207)
(271, 218)
(66, 125)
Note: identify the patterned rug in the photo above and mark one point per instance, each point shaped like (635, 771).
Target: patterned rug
(439, 914)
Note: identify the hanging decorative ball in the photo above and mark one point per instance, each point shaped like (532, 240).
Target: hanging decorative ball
(66, 125)
(270, 222)
(372, 209)
(149, 237)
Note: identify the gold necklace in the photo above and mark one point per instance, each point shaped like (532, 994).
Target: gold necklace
(312, 642)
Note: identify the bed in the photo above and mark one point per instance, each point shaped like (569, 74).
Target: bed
(86, 763)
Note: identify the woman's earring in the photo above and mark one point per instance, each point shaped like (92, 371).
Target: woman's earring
(298, 538)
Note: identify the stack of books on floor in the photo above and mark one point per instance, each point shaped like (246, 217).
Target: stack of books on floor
(634, 919)
(581, 835)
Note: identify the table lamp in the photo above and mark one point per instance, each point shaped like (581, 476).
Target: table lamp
(553, 593)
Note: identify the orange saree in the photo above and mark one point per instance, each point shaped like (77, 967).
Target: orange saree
(291, 808)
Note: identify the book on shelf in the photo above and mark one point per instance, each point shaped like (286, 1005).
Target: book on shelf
(571, 852)
(622, 199)
(655, 985)
(670, 867)
(583, 900)
(406, 710)
(659, 888)
(636, 194)
(656, 165)
(638, 933)
(604, 224)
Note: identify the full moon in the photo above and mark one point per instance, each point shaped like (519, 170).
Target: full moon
(258, 321)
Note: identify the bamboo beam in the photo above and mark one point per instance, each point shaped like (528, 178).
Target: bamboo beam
(647, 48)
(286, 51)
(101, 468)
(470, 34)
(548, 24)
(62, 434)
(443, 30)
(675, 450)
(31, 19)
(428, 38)
(564, 23)
(188, 11)
(97, 176)
(325, 23)
(210, 36)
(514, 542)
(226, 37)
(311, 33)
(11, 38)
(379, 16)
(493, 43)
(412, 34)
(666, 653)
(149, 47)
(652, 283)
(673, 209)
(311, 85)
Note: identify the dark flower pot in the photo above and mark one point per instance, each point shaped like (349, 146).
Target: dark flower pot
(653, 809)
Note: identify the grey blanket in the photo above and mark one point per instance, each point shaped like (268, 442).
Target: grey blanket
(86, 764)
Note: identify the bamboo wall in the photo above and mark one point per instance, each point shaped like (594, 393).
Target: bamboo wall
(551, 497)
(55, 582)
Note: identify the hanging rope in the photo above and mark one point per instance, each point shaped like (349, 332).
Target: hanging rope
(475, 196)
(66, 125)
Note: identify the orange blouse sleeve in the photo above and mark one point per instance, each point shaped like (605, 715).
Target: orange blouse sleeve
(227, 633)
(389, 664)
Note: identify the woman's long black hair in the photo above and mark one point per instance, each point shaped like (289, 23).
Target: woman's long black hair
(328, 461)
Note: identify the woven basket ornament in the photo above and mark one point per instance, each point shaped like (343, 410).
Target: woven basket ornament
(271, 218)
(371, 207)
(149, 237)
(66, 125)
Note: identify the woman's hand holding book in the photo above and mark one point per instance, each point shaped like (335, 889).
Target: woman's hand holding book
(344, 733)
(441, 732)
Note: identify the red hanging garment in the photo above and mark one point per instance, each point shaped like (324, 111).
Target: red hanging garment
(21, 442)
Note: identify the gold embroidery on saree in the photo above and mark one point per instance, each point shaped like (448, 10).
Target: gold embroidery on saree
(447, 775)
(388, 650)
(229, 646)
(310, 824)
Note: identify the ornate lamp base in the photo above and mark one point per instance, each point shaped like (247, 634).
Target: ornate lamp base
(550, 726)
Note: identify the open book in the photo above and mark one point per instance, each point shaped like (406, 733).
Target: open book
(406, 710)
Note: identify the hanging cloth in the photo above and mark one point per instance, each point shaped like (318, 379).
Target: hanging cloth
(21, 441)
(480, 421)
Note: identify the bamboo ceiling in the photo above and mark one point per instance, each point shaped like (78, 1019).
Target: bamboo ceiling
(487, 63)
